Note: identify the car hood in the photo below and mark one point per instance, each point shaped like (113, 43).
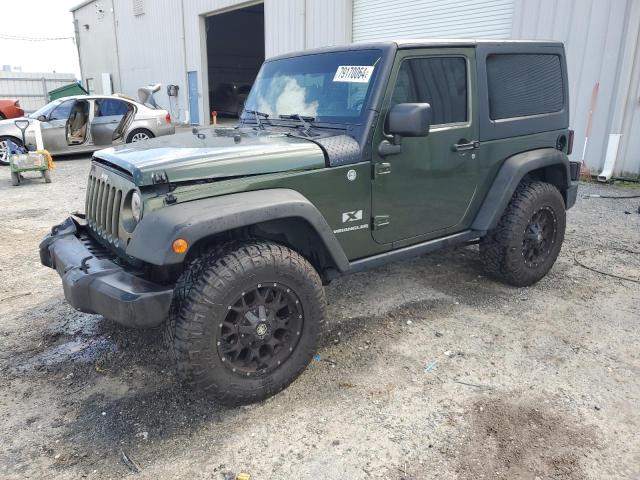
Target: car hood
(213, 154)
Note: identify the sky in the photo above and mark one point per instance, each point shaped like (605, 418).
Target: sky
(38, 18)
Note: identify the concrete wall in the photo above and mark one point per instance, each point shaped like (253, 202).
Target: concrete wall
(601, 40)
(96, 40)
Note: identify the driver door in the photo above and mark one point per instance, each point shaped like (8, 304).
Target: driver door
(54, 128)
(424, 189)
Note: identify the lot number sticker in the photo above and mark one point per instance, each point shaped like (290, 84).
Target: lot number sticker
(353, 73)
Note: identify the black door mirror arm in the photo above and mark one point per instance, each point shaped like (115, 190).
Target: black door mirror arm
(390, 146)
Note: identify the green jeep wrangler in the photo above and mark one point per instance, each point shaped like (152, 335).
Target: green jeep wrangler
(345, 158)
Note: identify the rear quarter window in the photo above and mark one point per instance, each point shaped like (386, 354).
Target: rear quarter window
(522, 85)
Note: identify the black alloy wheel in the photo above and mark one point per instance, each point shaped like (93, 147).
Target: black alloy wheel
(539, 237)
(245, 320)
(261, 329)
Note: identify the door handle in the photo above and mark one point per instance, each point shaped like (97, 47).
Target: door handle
(383, 168)
(461, 147)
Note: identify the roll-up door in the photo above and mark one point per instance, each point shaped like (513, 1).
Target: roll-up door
(392, 19)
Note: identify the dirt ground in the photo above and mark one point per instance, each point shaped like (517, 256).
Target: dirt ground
(428, 370)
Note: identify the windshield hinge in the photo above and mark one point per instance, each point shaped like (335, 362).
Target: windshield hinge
(383, 168)
(159, 177)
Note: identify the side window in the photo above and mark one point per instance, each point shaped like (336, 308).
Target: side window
(110, 107)
(62, 111)
(438, 81)
(522, 85)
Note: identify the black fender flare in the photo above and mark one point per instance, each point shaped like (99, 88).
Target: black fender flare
(199, 219)
(511, 173)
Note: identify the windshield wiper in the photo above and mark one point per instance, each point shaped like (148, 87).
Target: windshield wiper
(258, 115)
(303, 119)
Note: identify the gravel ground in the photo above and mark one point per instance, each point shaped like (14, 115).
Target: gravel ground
(428, 370)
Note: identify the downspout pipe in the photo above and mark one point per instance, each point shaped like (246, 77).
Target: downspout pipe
(622, 92)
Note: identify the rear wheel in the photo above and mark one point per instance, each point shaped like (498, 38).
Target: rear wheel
(138, 135)
(526, 242)
(250, 321)
(15, 179)
(4, 148)
(46, 174)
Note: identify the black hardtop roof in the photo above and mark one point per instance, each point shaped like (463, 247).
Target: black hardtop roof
(421, 43)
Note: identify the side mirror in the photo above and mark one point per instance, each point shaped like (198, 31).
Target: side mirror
(409, 120)
(42, 118)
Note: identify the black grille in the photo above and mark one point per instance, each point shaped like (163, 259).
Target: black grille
(96, 249)
(103, 208)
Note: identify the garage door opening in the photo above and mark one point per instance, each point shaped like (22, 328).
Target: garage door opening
(235, 51)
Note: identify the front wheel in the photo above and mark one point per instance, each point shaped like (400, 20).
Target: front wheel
(4, 148)
(248, 321)
(527, 240)
(15, 179)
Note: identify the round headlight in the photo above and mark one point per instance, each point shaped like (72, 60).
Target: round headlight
(136, 206)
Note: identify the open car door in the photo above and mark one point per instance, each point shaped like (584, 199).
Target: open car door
(77, 124)
(111, 118)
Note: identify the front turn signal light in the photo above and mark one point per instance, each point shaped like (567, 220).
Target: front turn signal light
(179, 246)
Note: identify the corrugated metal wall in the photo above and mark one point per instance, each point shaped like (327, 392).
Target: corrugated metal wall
(328, 22)
(626, 119)
(168, 38)
(601, 40)
(31, 89)
(151, 50)
(384, 19)
(289, 25)
(95, 34)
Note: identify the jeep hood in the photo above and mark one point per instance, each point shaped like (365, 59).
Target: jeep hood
(219, 154)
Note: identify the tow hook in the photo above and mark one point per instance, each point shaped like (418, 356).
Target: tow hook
(84, 267)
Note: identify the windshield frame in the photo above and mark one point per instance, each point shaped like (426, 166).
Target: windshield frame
(340, 122)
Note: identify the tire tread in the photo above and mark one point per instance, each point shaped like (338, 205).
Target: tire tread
(496, 246)
(209, 276)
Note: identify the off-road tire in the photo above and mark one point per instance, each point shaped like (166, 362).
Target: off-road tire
(181, 290)
(46, 174)
(501, 250)
(202, 298)
(15, 179)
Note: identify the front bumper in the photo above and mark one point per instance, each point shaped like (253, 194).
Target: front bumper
(94, 283)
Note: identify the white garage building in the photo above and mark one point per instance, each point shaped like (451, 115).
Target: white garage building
(213, 49)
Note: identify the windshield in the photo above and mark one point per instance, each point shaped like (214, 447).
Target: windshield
(330, 87)
(46, 110)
